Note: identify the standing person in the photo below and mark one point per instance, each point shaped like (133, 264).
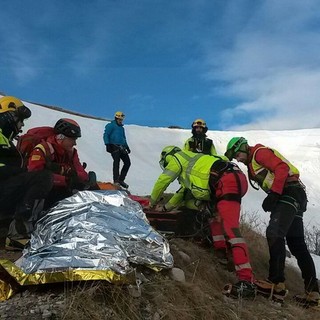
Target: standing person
(286, 201)
(116, 143)
(223, 184)
(199, 142)
(21, 192)
(57, 154)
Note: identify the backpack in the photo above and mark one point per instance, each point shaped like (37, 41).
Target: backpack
(30, 139)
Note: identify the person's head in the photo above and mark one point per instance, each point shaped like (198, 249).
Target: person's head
(67, 132)
(237, 148)
(166, 154)
(119, 116)
(199, 127)
(12, 115)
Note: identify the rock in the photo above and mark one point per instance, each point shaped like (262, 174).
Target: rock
(184, 257)
(177, 275)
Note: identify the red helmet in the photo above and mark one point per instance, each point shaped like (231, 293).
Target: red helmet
(68, 127)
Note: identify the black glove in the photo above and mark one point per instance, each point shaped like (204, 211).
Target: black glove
(72, 181)
(128, 150)
(109, 148)
(270, 202)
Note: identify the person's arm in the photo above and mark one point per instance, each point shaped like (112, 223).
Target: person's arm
(186, 146)
(171, 172)
(37, 161)
(82, 174)
(213, 150)
(267, 158)
(176, 200)
(106, 134)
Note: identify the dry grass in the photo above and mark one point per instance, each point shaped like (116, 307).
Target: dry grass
(198, 298)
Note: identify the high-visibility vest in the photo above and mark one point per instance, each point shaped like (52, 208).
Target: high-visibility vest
(262, 175)
(192, 171)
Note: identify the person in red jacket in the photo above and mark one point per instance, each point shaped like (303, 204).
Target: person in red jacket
(287, 201)
(228, 185)
(58, 155)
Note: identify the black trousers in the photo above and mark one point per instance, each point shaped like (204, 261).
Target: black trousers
(21, 196)
(118, 155)
(286, 222)
(23, 189)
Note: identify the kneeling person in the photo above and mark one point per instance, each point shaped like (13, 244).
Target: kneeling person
(222, 184)
(58, 155)
(21, 192)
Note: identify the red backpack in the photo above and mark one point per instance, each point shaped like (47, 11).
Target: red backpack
(31, 138)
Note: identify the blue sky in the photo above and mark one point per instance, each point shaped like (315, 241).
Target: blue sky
(239, 64)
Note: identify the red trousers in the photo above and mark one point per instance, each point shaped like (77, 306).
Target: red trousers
(225, 227)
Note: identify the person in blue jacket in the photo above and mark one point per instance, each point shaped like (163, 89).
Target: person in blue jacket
(116, 143)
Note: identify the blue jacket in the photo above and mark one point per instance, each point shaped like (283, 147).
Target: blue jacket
(114, 134)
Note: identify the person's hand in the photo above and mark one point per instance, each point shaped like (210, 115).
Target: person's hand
(128, 150)
(108, 148)
(72, 180)
(270, 202)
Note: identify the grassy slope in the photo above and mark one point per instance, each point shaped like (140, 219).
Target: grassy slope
(198, 298)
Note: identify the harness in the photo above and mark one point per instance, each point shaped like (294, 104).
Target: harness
(216, 176)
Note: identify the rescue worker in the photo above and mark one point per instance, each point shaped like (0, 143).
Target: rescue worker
(199, 143)
(58, 155)
(213, 179)
(21, 192)
(286, 201)
(116, 143)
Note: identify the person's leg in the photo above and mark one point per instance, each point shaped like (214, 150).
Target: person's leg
(126, 165)
(116, 163)
(280, 221)
(229, 211)
(217, 233)
(23, 193)
(298, 247)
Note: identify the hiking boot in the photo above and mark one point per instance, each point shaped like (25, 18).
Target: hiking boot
(123, 184)
(273, 291)
(242, 289)
(308, 299)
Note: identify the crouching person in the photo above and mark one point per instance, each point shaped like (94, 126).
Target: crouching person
(222, 184)
(58, 155)
(21, 192)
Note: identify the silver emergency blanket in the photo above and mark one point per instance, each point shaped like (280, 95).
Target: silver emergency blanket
(95, 230)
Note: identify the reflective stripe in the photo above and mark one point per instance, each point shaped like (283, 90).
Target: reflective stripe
(42, 148)
(2, 165)
(242, 266)
(169, 173)
(191, 163)
(236, 240)
(218, 238)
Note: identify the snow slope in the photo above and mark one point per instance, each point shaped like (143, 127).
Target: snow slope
(301, 147)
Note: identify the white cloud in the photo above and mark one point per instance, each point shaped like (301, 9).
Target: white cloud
(272, 65)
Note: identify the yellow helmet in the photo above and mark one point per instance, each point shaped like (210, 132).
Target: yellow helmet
(15, 105)
(119, 115)
(199, 123)
(165, 153)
